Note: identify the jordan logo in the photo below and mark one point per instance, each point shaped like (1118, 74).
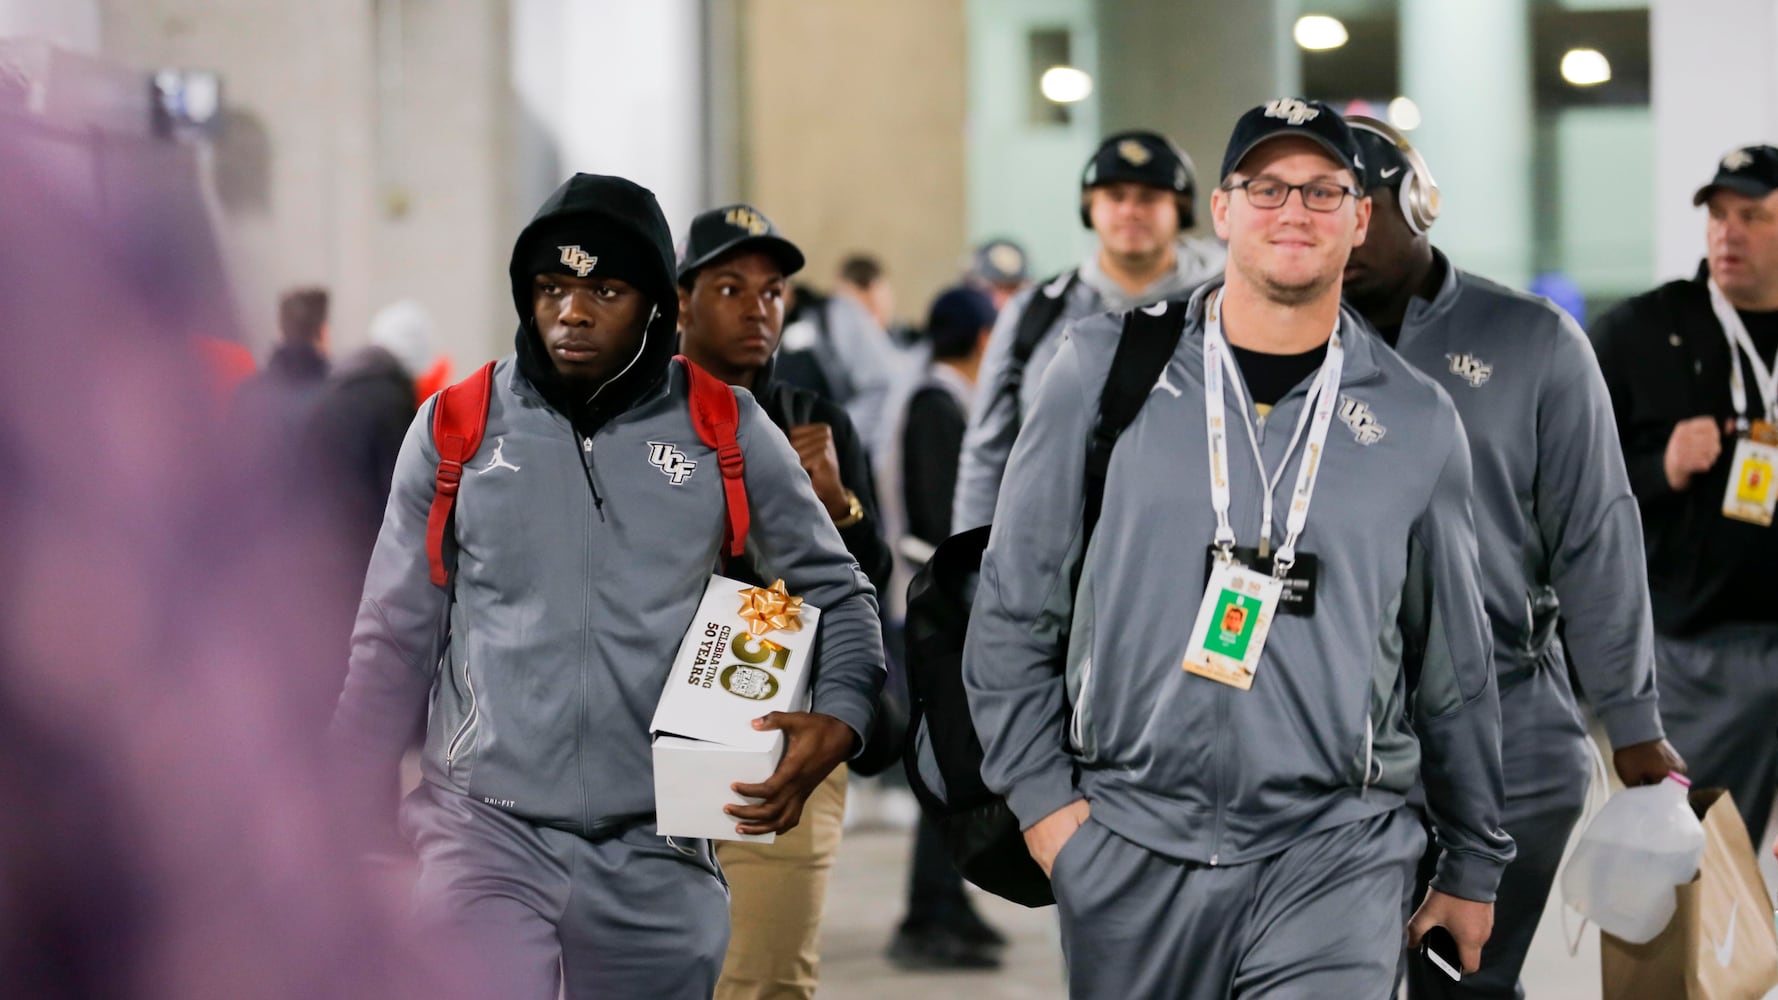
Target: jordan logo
(498, 461)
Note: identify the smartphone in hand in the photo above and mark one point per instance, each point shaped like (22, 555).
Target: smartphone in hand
(1440, 948)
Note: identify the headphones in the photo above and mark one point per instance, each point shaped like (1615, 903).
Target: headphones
(1418, 192)
(1182, 199)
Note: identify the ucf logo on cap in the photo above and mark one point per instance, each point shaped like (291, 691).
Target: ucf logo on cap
(742, 217)
(1737, 160)
(577, 260)
(1133, 152)
(1292, 110)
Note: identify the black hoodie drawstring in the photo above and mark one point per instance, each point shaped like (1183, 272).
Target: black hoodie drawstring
(586, 469)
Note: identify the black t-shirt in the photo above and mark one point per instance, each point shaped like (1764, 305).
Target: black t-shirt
(1270, 377)
(1762, 329)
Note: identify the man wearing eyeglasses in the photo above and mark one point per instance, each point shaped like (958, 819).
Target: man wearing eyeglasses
(1220, 799)
(1557, 526)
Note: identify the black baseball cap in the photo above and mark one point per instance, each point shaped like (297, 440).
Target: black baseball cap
(1750, 170)
(1000, 262)
(1287, 116)
(1385, 164)
(721, 231)
(1139, 157)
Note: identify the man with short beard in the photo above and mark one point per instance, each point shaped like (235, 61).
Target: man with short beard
(1691, 369)
(584, 532)
(1137, 194)
(1220, 800)
(1558, 533)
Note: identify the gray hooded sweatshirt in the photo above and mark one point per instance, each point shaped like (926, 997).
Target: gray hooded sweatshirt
(1082, 694)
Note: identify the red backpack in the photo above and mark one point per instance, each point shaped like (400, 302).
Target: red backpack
(461, 417)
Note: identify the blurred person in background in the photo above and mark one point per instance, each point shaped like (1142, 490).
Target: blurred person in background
(578, 564)
(839, 346)
(363, 412)
(180, 838)
(1690, 366)
(1557, 530)
(940, 929)
(1138, 192)
(356, 426)
(733, 270)
(1002, 269)
(277, 401)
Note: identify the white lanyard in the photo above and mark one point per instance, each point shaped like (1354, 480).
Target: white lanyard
(1740, 343)
(1322, 395)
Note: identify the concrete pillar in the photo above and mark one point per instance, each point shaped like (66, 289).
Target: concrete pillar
(617, 88)
(1467, 65)
(852, 134)
(1715, 83)
(1190, 68)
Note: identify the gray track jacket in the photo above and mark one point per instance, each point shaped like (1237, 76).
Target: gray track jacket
(1193, 769)
(1555, 517)
(994, 418)
(567, 616)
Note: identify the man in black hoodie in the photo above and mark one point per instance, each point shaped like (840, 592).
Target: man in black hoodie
(579, 562)
(733, 271)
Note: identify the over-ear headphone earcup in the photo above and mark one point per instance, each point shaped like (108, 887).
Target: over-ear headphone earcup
(1406, 195)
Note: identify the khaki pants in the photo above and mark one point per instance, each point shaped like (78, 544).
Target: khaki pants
(776, 892)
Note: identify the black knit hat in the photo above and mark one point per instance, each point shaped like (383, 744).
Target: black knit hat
(609, 225)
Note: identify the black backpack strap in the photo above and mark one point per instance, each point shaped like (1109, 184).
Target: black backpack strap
(1149, 337)
(1041, 312)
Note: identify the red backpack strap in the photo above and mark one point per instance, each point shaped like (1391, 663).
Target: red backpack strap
(717, 418)
(458, 420)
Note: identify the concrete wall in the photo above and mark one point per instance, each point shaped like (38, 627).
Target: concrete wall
(1715, 89)
(853, 119)
(367, 150)
(1024, 176)
(1188, 69)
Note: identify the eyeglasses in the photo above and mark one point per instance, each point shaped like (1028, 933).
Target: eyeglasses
(1317, 196)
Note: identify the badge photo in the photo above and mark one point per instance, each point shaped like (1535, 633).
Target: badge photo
(1233, 620)
(1751, 494)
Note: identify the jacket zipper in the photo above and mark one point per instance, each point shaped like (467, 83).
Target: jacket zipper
(586, 469)
(469, 720)
(586, 622)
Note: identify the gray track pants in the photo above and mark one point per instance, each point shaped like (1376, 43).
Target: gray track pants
(1320, 919)
(541, 910)
(1719, 703)
(1544, 755)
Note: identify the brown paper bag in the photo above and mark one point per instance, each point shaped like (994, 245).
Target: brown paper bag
(1721, 944)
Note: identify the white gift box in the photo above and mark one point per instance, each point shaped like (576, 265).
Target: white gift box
(723, 678)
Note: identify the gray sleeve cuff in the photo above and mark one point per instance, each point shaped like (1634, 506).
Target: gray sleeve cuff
(1037, 795)
(1468, 876)
(1632, 723)
(849, 706)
